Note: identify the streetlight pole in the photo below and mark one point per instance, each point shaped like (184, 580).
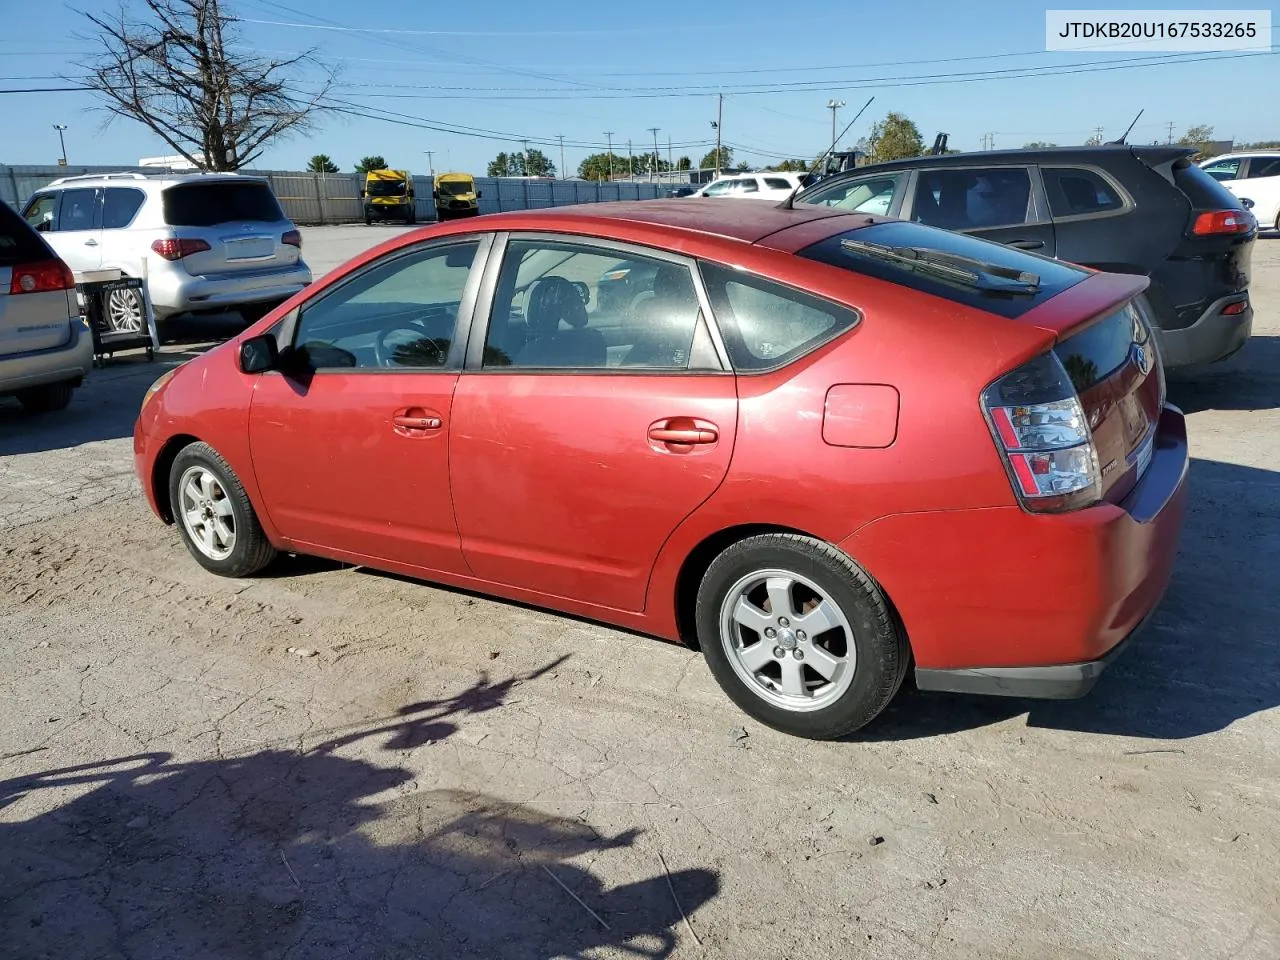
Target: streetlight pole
(653, 170)
(560, 137)
(833, 106)
(631, 170)
(609, 134)
(61, 142)
(719, 124)
(431, 167)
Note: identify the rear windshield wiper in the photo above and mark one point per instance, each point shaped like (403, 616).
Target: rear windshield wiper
(950, 266)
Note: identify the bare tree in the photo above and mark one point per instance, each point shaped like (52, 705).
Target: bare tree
(177, 70)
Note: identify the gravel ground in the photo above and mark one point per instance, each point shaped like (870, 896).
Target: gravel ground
(328, 762)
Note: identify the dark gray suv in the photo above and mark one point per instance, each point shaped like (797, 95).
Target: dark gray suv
(1123, 209)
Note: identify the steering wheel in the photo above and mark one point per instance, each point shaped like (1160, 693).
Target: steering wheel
(424, 350)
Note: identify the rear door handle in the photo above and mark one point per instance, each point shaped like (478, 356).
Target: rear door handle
(91, 243)
(683, 431)
(416, 423)
(1027, 244)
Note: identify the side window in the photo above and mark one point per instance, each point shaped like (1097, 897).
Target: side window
(766, 324)
(776, 183)
(570, 306)
(1264, 167)
(41, 211)
(719, 188)
(119, 205)
(746, 185)
(1224, 169)
(972, 199)
(872, 195)
(1074, 192)
(400, 313)
(77, 210)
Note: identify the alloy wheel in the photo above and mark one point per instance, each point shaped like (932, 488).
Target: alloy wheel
(124, 311)
(207, 515)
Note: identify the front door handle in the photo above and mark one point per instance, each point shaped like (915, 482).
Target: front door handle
(91, 242)
(683, 431)
(416, 423)
(1027, 244)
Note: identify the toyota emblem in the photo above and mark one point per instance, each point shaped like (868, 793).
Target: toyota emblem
(1142, 357)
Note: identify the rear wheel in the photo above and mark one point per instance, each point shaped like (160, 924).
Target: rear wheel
(799, 636)
(47, 398)
(216, 519)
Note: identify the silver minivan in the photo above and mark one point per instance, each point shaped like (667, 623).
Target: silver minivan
(203, 243)
(46, 348)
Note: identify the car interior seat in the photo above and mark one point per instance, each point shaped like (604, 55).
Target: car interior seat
(664, 323)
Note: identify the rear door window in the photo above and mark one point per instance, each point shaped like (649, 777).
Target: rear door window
(776, 183)
(1076, 192)
(973, 198)
(119, 205)
(767, 324)
(747, 185)
(220, 201)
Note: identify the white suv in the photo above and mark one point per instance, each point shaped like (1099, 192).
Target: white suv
(209, 242)
(770, 185)
(1254, 176)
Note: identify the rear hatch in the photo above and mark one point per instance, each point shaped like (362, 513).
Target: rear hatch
(239, 220)
(37, 300)
(1100, 320)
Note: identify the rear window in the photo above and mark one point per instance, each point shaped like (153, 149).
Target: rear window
(1204, 192)
(1055, 276)
(1096, 352)
(18, 242)
(206, 204)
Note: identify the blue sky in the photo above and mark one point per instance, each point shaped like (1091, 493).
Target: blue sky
(514, 70)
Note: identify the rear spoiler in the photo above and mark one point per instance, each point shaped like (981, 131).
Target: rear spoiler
(1092, 298)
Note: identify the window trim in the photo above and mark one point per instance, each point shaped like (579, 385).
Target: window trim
(137, 210)
(1037, 201)
(619, 249)
(290, 325)
(1127, 204)
(818, 344)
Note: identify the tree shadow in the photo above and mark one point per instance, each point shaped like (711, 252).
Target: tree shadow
(1210, 657)
(1248, 381)
(282, 853)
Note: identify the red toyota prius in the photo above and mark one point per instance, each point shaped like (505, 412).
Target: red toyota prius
(823, 447)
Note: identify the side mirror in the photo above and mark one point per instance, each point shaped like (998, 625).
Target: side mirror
(363, 194)
(259, 354)
(479, 194)
(435, 194)
(410, 194)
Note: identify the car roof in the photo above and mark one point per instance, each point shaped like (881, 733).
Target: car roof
(1272, 152)
(747, 220)
(1154, 154)
(160, 180)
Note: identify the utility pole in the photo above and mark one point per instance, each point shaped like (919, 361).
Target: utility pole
(63, 143)
(609, 134)
(718, 124)
(670, 165)
(631, 170)
(560, 137)
(1097, 132)
(653, 169)
(430, 164)
(524, 158)
(833, 106)
(1170, 140)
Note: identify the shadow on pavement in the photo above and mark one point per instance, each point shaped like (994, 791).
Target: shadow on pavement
(1210, 657)
(280, 853)
(1248, 381)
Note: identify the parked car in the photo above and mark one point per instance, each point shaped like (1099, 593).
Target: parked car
(1252, 175)
(770, 185)
(1126, 209)
(210, 242)
(826, 446)
(46, 349)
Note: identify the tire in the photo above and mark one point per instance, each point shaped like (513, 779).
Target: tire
(368, 220)
(125, 312)
(824, 686)
(48, 398)
(213, 513)
(412, 218)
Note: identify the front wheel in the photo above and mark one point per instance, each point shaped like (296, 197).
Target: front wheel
(799, 636)
(217, 521)
(48, 398)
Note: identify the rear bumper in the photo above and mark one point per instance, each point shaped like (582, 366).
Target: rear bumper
(1001, 601)
(71, 361)
(1211, 338)
(175, 291)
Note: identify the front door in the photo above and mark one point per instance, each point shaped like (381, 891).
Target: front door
(583, 434)
(351, 448)
(75, 232)
(1000, 204)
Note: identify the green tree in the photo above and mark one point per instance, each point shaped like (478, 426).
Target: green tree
(894, 138)
(321, 163)
(793, 165)
(535, 163)
(684, 163)
(597, 167)
(374, 162)
(500, 166)
(709, 161)
(1200, 137)
(1037, 145)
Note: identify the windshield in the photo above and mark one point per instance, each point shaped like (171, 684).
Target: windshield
(456, 188)
(386, 188)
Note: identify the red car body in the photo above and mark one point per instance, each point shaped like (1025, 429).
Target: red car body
(550, 489)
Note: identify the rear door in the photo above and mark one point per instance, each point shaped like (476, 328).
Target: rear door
(584, 433)
(1261, 184)
(241, 221)
(999, 203)
(28, 321)
(1086, 204)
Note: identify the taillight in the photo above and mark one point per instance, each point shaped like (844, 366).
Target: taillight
(292, 238)
(1044, 437)
(43, 276)
(1235, 309)
(175, 248)
(1219, 222)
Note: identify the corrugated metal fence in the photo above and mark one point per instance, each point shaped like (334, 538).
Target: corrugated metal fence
(335, 197)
